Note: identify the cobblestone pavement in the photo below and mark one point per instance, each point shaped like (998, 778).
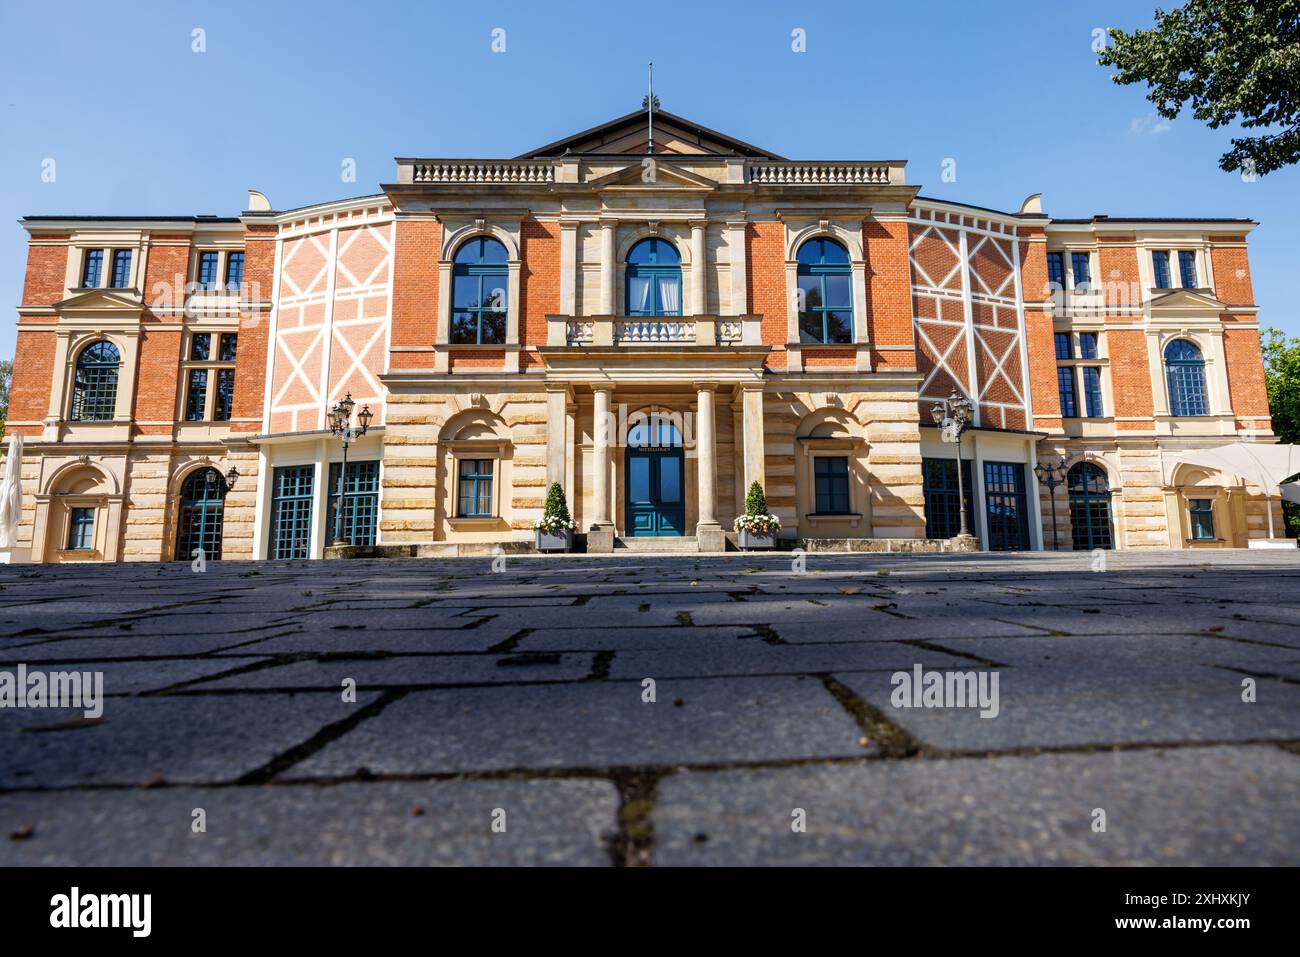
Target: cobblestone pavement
(516, 699)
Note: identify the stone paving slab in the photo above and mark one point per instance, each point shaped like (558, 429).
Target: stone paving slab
(552, 822)
(1226, 807)
(753, 656)
(406, 670)
(129, 677)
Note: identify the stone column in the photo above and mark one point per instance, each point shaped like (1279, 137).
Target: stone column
(556, 433)
(699, 270)
(607, 266)
(600, 534)
(753, 423)
(708, 532)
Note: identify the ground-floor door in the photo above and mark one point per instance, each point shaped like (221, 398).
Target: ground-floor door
(1006, 508)
(653, 492)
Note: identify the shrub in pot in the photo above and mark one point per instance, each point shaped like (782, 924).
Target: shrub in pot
(555, 528)
(757, 527)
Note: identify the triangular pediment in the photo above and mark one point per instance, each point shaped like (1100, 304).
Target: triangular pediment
(666, 175)
(1186, 300)
(101, 300)
(674, 135)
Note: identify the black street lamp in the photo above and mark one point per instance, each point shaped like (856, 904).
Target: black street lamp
(953, 415)
(1052, 476)
(221, 484)
(341, 425)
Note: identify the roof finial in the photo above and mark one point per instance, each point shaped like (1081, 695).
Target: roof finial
(651, 103)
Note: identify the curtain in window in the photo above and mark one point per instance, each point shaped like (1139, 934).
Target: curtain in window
(669, 295)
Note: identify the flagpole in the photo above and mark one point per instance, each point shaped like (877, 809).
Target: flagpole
(650, 106)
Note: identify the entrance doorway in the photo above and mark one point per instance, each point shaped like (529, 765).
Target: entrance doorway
(654, 479)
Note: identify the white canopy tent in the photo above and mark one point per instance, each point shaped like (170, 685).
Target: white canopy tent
(1267, 466)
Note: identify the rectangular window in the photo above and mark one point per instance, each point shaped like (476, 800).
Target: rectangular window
(1081, 264)
(91, 267)
(234, 272)
(360, 502)
(1202, 513)
(197, 397)
(1087, 345)
(200, 346)
(939, 478)
(121, 268)
(1063, 349)
(1065, 389)
(81, 529)
(475, 494)
(1160, 264)
(1056, 270)
(207, 276)
(1187, 266)
(291, 505)
(1092, 391)
(229, 346)
(1006, 511)
(831, 479)
(225, 398)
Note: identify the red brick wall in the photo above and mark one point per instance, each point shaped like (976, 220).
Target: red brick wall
(1130, 376)
(29, 391)
(415, 283)
(254, 330)
(1118, 267)
(539, 279)
(1246, 384)
(1040, 344)
(157, 374)
(1232, 274)
(765, 275)
(889, 292)
(166, 271)
(46, 270)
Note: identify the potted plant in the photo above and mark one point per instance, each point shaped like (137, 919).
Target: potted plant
(757, 527)
(555, 528)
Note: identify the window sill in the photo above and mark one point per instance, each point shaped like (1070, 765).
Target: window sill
(472, 521)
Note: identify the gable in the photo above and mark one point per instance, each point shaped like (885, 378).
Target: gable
(630, 134)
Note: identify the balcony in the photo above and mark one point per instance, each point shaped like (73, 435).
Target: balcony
(602, 332)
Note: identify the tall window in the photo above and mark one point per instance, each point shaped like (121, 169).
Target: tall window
(198, 523)
(939, 478)
(825, 292)
(1079, 391)
(360, 502)
(205, 364)
(1185, 375)
(91, 267)
(1065, 391)
(478, 298)
(1082, 265)
(1160, 265)
(1089, 507)
(1064, 348)
(94, 386)
(653, 279)
(831, 484)
(1056, 270)
(1087, 345)
(1187, 266)
(234, 272)
(121, 268)
(1006, 512)
(475, 488)
(207, 276)
(1092, 391)
(81, 529)
(291, 505)
(1202, 516)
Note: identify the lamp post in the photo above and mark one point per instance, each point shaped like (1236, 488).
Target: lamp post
(221, 484)
(1052, 476)
(952, 415)
(341, 426)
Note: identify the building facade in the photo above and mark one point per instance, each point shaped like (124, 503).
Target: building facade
(655, 323)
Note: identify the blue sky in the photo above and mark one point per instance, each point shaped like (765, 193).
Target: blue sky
(139, 124)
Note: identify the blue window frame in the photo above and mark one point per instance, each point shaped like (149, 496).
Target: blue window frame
(1089, 507)
(474, 494)
(825, 292)
(91, 268)
(121, 268)
(196, 397)
(1087, 345)
(1202, 515)
(1056, 270)
(360, 501)
(234, 271)
(652, 281)
(1006, 511)
(1185, 375)
(292, 488)
(225, 398)
(831, 484)
(229, 346)
(199, 522)
(1187, 266)
(201, 346)
(94, 387)
(1065, 390)
(81, 529)
(208, 269)
(1064, 350)
(1082, 265)
(479, 278)
(1092, 391)
(1160, 265)
(939, 486)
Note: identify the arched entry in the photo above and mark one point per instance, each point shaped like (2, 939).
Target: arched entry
(654, 469)
(1089, 507)
(198, 523)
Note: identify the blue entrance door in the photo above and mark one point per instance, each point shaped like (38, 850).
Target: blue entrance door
(653, 492)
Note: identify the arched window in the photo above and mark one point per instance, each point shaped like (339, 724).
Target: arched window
(1185, 374)
(94, 387)
(198, 523)
(654, 279)
(1089, 507)
(825, 292)
(478, 297)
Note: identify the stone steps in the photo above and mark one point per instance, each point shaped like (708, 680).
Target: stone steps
(677, 543)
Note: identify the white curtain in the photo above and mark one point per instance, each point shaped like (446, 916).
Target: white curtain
(669, 295)
(638, 295)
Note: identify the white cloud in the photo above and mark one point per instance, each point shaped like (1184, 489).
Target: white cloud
(1152, 123)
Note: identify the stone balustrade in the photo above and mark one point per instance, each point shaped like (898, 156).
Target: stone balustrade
(638, 331)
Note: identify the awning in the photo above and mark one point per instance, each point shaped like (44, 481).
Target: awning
(1265, 465)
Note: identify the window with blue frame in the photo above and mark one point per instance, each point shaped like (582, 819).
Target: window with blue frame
(652, 279)
(201, 346)
(234, 271)
(1160, 266)
(479, 279)
(1202, 516)
(1087, 345)
(199, 522)
(1092, 391)
(825, 292)
(474, 492)
(1185, 376)
(360, 502)
(1063, 348)
(121, 268)
(831, 484)
(1082, 265)
(292, 488)
(94, 386)
(229, 346)
(224, 400)
(196, 397)
(1089, 494)
(81, 529)
(91, 267)
(939, 487)
(1187, 267)
(1056, 270)
(1006, 510)
(207, 275)
(1065, 390)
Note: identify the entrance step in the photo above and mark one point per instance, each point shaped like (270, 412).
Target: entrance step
(663, 543)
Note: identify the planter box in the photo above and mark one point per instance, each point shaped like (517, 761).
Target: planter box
(757, 539)
(555, 541)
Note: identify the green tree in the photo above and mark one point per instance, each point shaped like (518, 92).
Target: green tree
(6, 376)
(755, 500)
(1228, 60)
(1282, 374)
(556, 508)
